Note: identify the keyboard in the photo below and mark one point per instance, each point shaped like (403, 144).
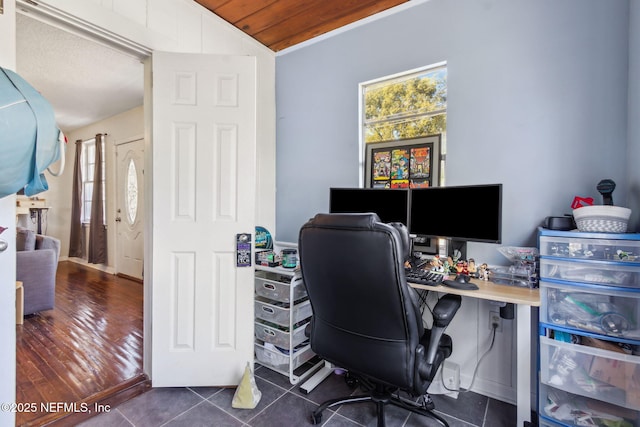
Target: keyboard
(424, 277)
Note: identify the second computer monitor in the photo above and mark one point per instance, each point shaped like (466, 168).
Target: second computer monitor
(464, 213)
(391, 205)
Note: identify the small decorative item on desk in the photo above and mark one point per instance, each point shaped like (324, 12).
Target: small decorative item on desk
(524, 270)
(473, 270)
(263, 239)
(268, 258)
(289, 258)
(483, 273)
(264, 249)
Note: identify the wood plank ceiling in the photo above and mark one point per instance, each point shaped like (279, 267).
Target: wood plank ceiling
(279, 24)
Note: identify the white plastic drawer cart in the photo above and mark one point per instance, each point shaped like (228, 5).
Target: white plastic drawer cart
(589, 352)
(282, 312)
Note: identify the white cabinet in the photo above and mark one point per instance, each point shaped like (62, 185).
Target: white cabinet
(589, 329)
(282, 312)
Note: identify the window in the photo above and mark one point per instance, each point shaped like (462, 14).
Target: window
(131, 198)
(405, 106)
(88, 168)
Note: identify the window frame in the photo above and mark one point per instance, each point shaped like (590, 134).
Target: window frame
(390, 79)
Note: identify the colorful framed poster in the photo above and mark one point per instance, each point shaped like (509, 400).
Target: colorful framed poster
(409, 163)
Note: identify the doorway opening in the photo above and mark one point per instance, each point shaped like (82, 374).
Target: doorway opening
(71, 68)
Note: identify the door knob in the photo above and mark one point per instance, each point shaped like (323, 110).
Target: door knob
(3, 244)
(118, 219)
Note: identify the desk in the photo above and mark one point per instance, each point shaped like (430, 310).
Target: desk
(524, 299)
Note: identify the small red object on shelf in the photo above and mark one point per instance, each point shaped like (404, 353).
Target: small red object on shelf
(579, 202)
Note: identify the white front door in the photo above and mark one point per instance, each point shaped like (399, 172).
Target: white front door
(204, 160)
(130, 208)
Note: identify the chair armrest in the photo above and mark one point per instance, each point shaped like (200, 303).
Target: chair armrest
(445, 309)
(443, 314)
(33, 265)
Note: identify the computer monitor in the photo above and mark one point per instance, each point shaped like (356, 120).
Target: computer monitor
(471, 213)
(390, 204)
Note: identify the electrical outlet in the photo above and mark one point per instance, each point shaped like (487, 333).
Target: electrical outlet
(494, 317)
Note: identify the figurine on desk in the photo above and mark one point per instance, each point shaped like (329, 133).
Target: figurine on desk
(448, 265)
(462, 267)
(473, 270)
(483, 273)
(436, 264)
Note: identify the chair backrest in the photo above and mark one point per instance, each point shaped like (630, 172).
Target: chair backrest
(365, 316)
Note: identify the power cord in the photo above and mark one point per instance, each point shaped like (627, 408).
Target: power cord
(423, 294)
(475, 371)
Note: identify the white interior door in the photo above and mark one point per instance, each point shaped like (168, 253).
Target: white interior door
(8, 256)
(8, 306)
(130, 208)
(204, 145)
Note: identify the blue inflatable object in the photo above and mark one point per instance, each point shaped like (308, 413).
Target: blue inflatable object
(29, 136)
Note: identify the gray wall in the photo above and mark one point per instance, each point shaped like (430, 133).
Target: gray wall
(537, 101)
(633, 149)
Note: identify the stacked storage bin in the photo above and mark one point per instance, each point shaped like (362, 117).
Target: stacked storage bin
(589, 329)
(282, 312)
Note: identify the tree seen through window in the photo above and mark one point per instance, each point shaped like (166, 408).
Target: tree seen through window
(406, 107)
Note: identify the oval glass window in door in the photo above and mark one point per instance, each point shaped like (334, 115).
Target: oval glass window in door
(132, 192)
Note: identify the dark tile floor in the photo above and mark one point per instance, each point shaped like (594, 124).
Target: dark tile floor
(284, 405)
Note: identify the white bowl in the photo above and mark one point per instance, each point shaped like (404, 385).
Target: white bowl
(602, 218)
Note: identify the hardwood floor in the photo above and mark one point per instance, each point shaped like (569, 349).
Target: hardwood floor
(86, 351)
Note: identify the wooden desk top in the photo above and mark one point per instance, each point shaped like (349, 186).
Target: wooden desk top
(491, 291)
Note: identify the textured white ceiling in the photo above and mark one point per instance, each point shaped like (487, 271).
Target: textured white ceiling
(84, 81)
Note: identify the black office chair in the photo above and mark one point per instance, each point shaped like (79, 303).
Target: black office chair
(366, 319)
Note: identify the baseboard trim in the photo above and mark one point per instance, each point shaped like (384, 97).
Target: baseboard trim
(499, 391)
(101, 267)
(106, 399)
(133, 279)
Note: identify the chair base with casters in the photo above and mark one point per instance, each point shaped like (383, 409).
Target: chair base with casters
(436, 347)
(381, 396)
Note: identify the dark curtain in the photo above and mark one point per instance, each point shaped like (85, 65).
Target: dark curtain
(76, 239)
(97, 229)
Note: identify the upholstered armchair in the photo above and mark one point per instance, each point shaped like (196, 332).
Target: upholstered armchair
(36, 267)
